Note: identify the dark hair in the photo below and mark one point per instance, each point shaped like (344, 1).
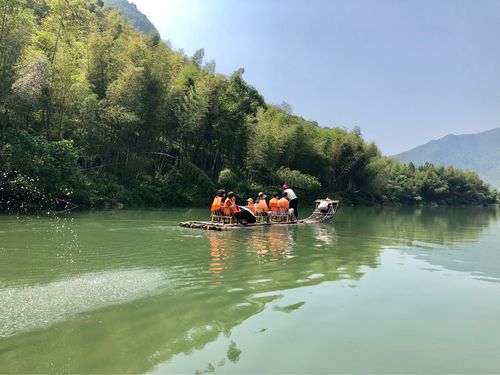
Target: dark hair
(275, 194)
(221, 192)
(285, 194)
(230, 194)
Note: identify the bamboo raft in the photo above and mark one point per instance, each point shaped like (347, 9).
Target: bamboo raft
(325, 210)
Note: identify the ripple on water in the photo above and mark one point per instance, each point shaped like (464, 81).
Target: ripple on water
(30, 307)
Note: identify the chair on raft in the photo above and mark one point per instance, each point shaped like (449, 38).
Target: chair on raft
(261, 216)
(223, 216)
(281, 215)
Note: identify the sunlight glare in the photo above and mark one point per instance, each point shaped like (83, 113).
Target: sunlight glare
(159, 11)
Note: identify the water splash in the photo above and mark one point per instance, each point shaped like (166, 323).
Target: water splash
(29, 307)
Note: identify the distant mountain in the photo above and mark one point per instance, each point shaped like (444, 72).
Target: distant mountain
(129, 10)
(479, 152)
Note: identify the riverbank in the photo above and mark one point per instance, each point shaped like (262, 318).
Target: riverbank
(50, 205)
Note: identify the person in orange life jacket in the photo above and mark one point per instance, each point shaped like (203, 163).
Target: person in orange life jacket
(261, 202)
(261, 206)
(251, 205)
(274, 203)
(243, 216)
(283, 205)
(230, 206)
(218, 201)
(293, 200)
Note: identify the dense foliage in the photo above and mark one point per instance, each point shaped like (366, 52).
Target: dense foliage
(130, 11)
(94, 112)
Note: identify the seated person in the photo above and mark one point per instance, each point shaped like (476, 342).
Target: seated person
(261, 204)
(247, 216)
(218, 202)
(283, 205)
(243, 216)
(251, 205)
(274, 204)
(261, 208)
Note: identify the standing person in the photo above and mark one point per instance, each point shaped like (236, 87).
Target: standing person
(293, 200)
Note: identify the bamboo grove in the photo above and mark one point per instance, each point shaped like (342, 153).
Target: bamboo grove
(94, 112)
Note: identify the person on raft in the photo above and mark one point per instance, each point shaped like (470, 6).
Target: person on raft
(283, 205)
(293, 200)
(261, 206)
(242, 214)
(261, 202)
(218, 202)
(274, 203)
(251, 205)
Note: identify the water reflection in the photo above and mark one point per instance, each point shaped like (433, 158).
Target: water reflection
(272, 244)
(445, 237)
(269, 244)
(221, 278)
(445, 226)
(324, 233)
(232, 355)
(222, 248)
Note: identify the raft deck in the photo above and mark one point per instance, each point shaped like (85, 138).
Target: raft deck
(209, 225)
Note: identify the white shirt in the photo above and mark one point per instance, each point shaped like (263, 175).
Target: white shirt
(290, 194)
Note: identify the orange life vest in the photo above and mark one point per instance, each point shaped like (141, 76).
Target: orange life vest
(274, 205)
(263, 205)
(230, 207)
(283, 204)
(251, 207)
(217, 203)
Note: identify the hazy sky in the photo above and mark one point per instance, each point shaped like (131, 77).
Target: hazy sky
(404, 71)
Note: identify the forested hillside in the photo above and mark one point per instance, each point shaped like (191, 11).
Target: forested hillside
(93, 112)
(479, 152)
(130, 11)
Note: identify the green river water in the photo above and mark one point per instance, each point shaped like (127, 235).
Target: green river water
(375, 291)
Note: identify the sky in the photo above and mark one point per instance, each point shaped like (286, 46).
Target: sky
(404, 71)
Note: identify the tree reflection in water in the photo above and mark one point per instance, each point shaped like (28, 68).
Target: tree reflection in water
(251, 268)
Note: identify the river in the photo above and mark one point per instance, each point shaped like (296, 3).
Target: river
(129, 291)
